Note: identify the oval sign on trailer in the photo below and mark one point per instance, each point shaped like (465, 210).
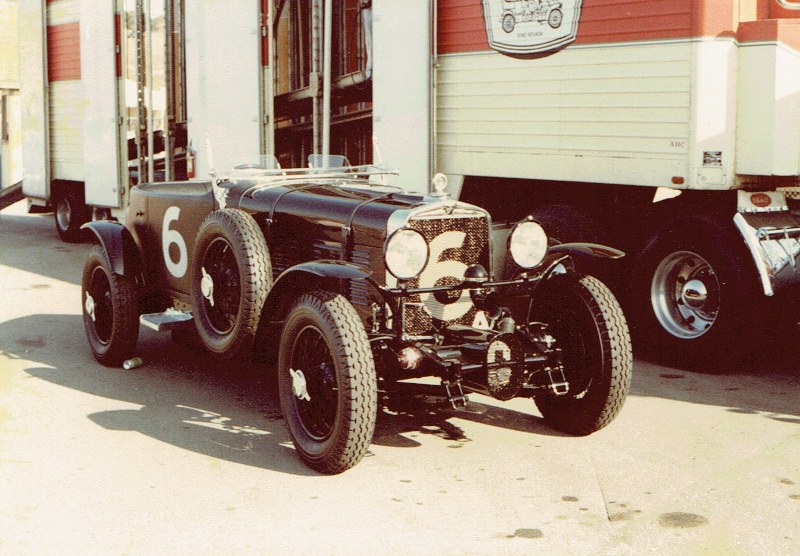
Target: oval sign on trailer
(760, 200)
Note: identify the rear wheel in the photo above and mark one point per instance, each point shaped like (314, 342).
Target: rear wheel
(110, 310)
(696, 303)
(587, 322)
(327, 382)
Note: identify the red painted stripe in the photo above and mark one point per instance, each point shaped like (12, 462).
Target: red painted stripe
(64, 52)
(462, 26)
(786, 31)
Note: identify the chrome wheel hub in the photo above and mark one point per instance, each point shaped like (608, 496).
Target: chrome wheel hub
(207, 286)
(299, 385)
(685, 295)
(89, 307)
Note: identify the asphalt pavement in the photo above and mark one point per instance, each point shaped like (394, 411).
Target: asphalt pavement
(185, 455)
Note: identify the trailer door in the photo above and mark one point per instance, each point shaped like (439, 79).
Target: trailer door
(223, 77)
(401, 93)
(32, 68)
(100, 123)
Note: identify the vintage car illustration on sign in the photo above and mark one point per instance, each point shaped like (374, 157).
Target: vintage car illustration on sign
(352, 287)
(531, 26)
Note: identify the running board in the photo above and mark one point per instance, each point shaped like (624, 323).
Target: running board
(168, 320)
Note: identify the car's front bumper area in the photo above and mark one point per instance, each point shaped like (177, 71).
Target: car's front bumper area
(501, 357)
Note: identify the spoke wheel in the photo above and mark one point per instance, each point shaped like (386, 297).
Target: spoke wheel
(110, 310)
(327, 382)
(588, 324)
(222, 299)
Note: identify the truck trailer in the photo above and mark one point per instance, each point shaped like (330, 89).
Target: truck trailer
(668, 128)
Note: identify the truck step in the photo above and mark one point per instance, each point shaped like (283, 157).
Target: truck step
(168, 320)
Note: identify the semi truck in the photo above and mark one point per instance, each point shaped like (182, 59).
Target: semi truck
(668, 128)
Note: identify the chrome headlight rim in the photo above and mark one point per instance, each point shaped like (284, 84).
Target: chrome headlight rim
(522, 258)
(409, 235)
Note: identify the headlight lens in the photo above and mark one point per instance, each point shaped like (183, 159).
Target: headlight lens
(406, 254)
(528, 244)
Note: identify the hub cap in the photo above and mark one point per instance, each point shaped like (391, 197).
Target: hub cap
(64, 214)
(685, 295)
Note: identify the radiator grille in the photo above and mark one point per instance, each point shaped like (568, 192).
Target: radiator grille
(456, 243)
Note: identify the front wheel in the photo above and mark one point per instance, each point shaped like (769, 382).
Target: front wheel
(587, 322)
(327, 382)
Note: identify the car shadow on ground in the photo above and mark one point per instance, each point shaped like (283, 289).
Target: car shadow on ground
(223, 409)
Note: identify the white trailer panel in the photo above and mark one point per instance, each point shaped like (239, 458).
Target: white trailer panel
(100, 154)
(223, 82)
(33, 92)
(401, 89)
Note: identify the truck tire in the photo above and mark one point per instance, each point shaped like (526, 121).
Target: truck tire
(509, 22)
(555, 18)
(696, 302)
(110, 310)
(327, 382)
(70, 214)
(231, 276)
(588, 324)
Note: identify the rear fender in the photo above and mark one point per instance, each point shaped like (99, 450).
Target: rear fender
(119, 245)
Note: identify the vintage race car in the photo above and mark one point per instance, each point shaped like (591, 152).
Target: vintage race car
(354, 289)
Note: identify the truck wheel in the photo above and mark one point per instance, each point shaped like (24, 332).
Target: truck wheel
(231, 275)
(695, 303)
(588, 324)
(509, 23)
(70, 214)
(110, 310)
(327, 382)
(555, 18)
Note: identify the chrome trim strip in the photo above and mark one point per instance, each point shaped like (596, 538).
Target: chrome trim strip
(754, 245)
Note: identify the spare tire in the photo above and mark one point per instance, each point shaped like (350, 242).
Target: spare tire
(231, 275)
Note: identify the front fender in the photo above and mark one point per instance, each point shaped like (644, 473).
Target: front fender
(327, 274)
(587, 249)
(119, 245)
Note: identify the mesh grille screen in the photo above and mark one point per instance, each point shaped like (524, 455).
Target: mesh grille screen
(455, 244)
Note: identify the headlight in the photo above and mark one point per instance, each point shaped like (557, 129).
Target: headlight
(528, 244)
(406, 254)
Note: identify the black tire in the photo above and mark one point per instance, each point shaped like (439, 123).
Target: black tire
(231, 257)
(330, 407)
(587, 322)
(70, 214)
(697, 303)
(110, 310)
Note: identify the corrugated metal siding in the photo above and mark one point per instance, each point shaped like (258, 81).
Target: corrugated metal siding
(66, 130)
(64, 52)
(601, 101)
